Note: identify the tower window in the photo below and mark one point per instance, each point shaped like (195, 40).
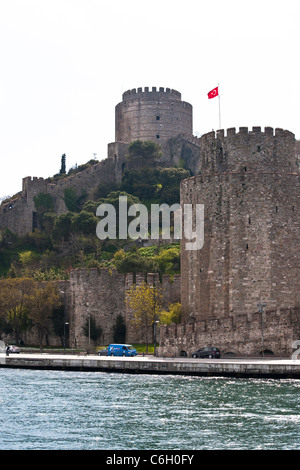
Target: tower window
(157, 118)
(157, 136)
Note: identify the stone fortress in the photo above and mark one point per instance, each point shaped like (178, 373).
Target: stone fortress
(249, 185)
(248, 181)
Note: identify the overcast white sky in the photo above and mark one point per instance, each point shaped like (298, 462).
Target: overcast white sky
(66, 63)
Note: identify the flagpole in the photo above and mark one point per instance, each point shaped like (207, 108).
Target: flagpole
(219, 107)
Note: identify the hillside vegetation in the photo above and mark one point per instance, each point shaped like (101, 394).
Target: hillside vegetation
(68, 241)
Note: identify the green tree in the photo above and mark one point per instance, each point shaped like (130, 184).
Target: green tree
(63, 165)
(85, 222)
(43, 203)
(91, 330)
(114, 196)
(14, 305)
(145, 303)
(63, 227)
(168, 260)
(26, 257)
(49, 219)
(119, 330)
(172, 315)
(70, 198)
(42, 301)
(143, 152)
(133, 262)
(58, 320)
(90, 206)
(154, 184)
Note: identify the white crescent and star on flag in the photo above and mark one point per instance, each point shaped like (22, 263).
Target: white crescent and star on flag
(213, 93)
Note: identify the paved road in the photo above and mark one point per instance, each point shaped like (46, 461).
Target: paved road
(151, 358)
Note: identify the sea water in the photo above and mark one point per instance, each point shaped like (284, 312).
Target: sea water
(57, 410)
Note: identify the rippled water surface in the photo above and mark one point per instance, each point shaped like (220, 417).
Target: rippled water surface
(84, 411)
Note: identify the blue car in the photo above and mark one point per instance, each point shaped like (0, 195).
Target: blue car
(121, 350)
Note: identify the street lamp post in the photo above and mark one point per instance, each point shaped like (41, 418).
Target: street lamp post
(154, 335)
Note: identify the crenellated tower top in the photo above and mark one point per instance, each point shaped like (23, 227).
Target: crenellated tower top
(156, 114)
(153, 92)
(248, 150)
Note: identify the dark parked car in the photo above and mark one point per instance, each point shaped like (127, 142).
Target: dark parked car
(209, 352)
(102, 352)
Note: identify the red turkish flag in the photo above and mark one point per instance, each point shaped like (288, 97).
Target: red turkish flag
(213, 93)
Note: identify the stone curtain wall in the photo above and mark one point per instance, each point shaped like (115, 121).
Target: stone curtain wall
(240, 334)
(18, 215)
(101, 295)
(169, 288)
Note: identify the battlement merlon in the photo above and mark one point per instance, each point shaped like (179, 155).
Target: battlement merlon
(135, 92)
(32, 183)
(230, 135)
(244, 135)
(255, 150)
(243, 131)
(86, 274)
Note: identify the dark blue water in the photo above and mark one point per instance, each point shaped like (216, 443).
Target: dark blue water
(54, 410)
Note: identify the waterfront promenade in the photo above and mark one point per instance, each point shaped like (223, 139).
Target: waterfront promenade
(242, 367)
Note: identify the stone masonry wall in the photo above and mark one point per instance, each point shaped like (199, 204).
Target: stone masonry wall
(249, 185)
(19, 215)
(251, 197)
(101, 295)
(169, 292)
(242, 334)
(97, 295)
(152, 114)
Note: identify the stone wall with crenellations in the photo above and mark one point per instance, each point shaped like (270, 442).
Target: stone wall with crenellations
(242, 334)
(156, 114)
(249, 185)
(19, 215)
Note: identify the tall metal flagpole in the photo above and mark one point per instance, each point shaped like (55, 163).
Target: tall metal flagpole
(219, 107)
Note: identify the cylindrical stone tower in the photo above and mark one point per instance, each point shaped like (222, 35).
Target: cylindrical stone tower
(157, 115)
